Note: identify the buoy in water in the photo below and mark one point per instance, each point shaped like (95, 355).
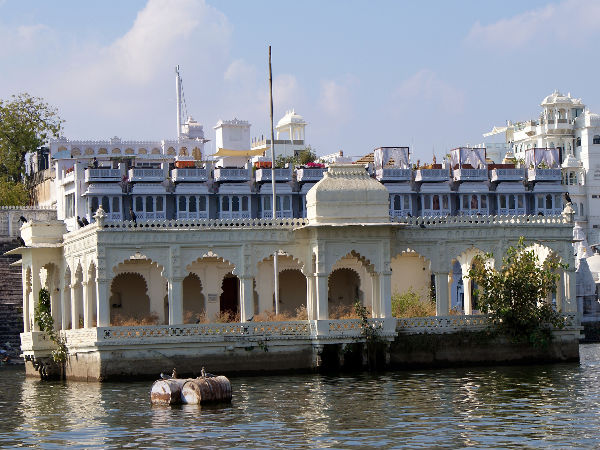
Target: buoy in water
(204, 389)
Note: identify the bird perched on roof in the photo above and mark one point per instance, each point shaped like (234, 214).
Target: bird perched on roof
(165, 377)
(80, 222)
(568, 197)
(205, 374)
(174, 374)
(22, 219)
(21, 241)
(133, 216)
(85, 221)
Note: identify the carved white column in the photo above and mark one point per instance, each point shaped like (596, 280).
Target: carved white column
(26, 288)
(64, 319)
(86, 305)
(102, 303)
(375, 294)
(569, 303)
(311, 305)
(442, 303)
(321, 289)
(175, 300)
(75, 305)
(385, 294)
(468, 300)
(246, 298)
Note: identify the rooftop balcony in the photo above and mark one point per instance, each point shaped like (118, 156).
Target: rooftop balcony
(223, 174)
(463, 174)
(538, 174)
(266, 143)
(189, 174)
(507, 174)
(312, 174)
(432, 175)
(102, 174)
(146, 174)
(393, 174)
(282, 175)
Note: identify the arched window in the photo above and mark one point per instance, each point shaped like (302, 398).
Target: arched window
(149, 204)
(116, 204)
(106, 204)
(397, 206)
(596, 139)
(245, 203)
(511, 201)
(94, 206)
(287, 203)
(581, 209)
(159, 203)
(503, 201)
(575, 208)
(235, 203)
(548, 201)
(139, 204)
(225, 203)
(436, 202)
(202, 206)
(474, 202)
(445, 202)
(182, 203)
(192, 204)
(578, 142)
(406, 201)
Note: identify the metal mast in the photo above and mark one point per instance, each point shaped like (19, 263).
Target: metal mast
(178, 91)
(274, 205)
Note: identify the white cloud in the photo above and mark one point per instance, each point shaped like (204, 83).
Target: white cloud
(566, 21)
(336, 98)
(425, 91)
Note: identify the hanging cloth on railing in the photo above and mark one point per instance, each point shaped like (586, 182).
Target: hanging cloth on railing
(473, 156)
(381, 156)
(400, 156)
(535, 156)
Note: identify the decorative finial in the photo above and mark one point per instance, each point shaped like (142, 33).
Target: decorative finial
(100, 216)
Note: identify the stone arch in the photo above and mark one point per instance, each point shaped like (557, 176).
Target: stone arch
(462, 282)
(102, 151)
(116, 151)
(129, 151)
(211, 269)
(50, 280)
(129, 300)
(411, 271)
(92, 301)
(155, 288)
(183, 151)
(229, 300)
(265, 274)
(142, 151)
(171, 151)
(77, 297)
(155, 151)
(194, 309)
(292, 291)
(197, 154)
(75, 152)
(343, 291)
(365, 270)
(89, 151)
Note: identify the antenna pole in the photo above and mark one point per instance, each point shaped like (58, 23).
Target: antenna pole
(274, 205)
(178, 92)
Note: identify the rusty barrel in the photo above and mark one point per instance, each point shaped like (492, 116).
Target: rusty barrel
(206, 390)
(167, 392)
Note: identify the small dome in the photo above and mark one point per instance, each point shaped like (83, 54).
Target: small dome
(594, 264)
(289, 118)
(347, 194)
(558, 98)
(571, 162)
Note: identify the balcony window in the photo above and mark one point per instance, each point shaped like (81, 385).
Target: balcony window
(578, 142)
(283, 205)
(549, 204)
(596, 139)
(94, 206)
(116, 204)
(69, 205)
(400, 205)
(475, 204)
(511, 204)
(150, 207)
(105, 204)
(149, 204)
(230, 207)
(435, 204)
(225, 204)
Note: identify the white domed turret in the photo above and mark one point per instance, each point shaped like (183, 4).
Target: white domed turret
(293, 124)
(347, 194)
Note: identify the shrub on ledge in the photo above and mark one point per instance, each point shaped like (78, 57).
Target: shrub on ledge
(409, 304)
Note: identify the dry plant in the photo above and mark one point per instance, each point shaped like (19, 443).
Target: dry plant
(132, 321)
(340, 312)
(195, 317)
(269, 316)
(226, 317)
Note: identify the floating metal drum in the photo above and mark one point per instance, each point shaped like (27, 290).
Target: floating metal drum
(167, 392)
(206, 390)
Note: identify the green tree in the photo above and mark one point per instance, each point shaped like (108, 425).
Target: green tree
(516, 294)
(26, 123)
(305, 156)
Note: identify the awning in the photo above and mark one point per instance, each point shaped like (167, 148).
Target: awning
(191, 188)
(399, 188)
(234, 188)
(435, 188)
(226, 152)
(470, 188)
(281, 188)
(549, 187)
(512, 188)
(146, 188)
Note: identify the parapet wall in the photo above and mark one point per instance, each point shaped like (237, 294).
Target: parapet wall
(10, 225)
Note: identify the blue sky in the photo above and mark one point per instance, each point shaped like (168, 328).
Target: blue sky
(431, 74)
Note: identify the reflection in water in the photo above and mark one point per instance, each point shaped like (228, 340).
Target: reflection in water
(476, 407)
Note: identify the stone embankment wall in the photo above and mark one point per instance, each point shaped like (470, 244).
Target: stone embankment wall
(11, 291)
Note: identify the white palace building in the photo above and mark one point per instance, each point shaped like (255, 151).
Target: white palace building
(138, 296)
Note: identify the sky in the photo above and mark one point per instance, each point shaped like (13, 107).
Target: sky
(432, 75)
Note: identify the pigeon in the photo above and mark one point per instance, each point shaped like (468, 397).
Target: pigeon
(568, 197)
(133, 216)
(85, 221)
(174, 374)
(165, 377)
(23, 219)
(21, 241)
(80, 222)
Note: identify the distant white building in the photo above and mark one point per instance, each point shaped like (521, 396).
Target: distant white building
(289, 137)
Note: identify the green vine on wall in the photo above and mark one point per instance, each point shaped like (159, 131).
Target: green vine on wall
(43, 317)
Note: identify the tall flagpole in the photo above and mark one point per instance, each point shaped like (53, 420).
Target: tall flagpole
(274, 205)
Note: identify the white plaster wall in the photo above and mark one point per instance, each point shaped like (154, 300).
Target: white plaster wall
(411, 271)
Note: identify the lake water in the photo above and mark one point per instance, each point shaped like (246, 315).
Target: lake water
(549, 406)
